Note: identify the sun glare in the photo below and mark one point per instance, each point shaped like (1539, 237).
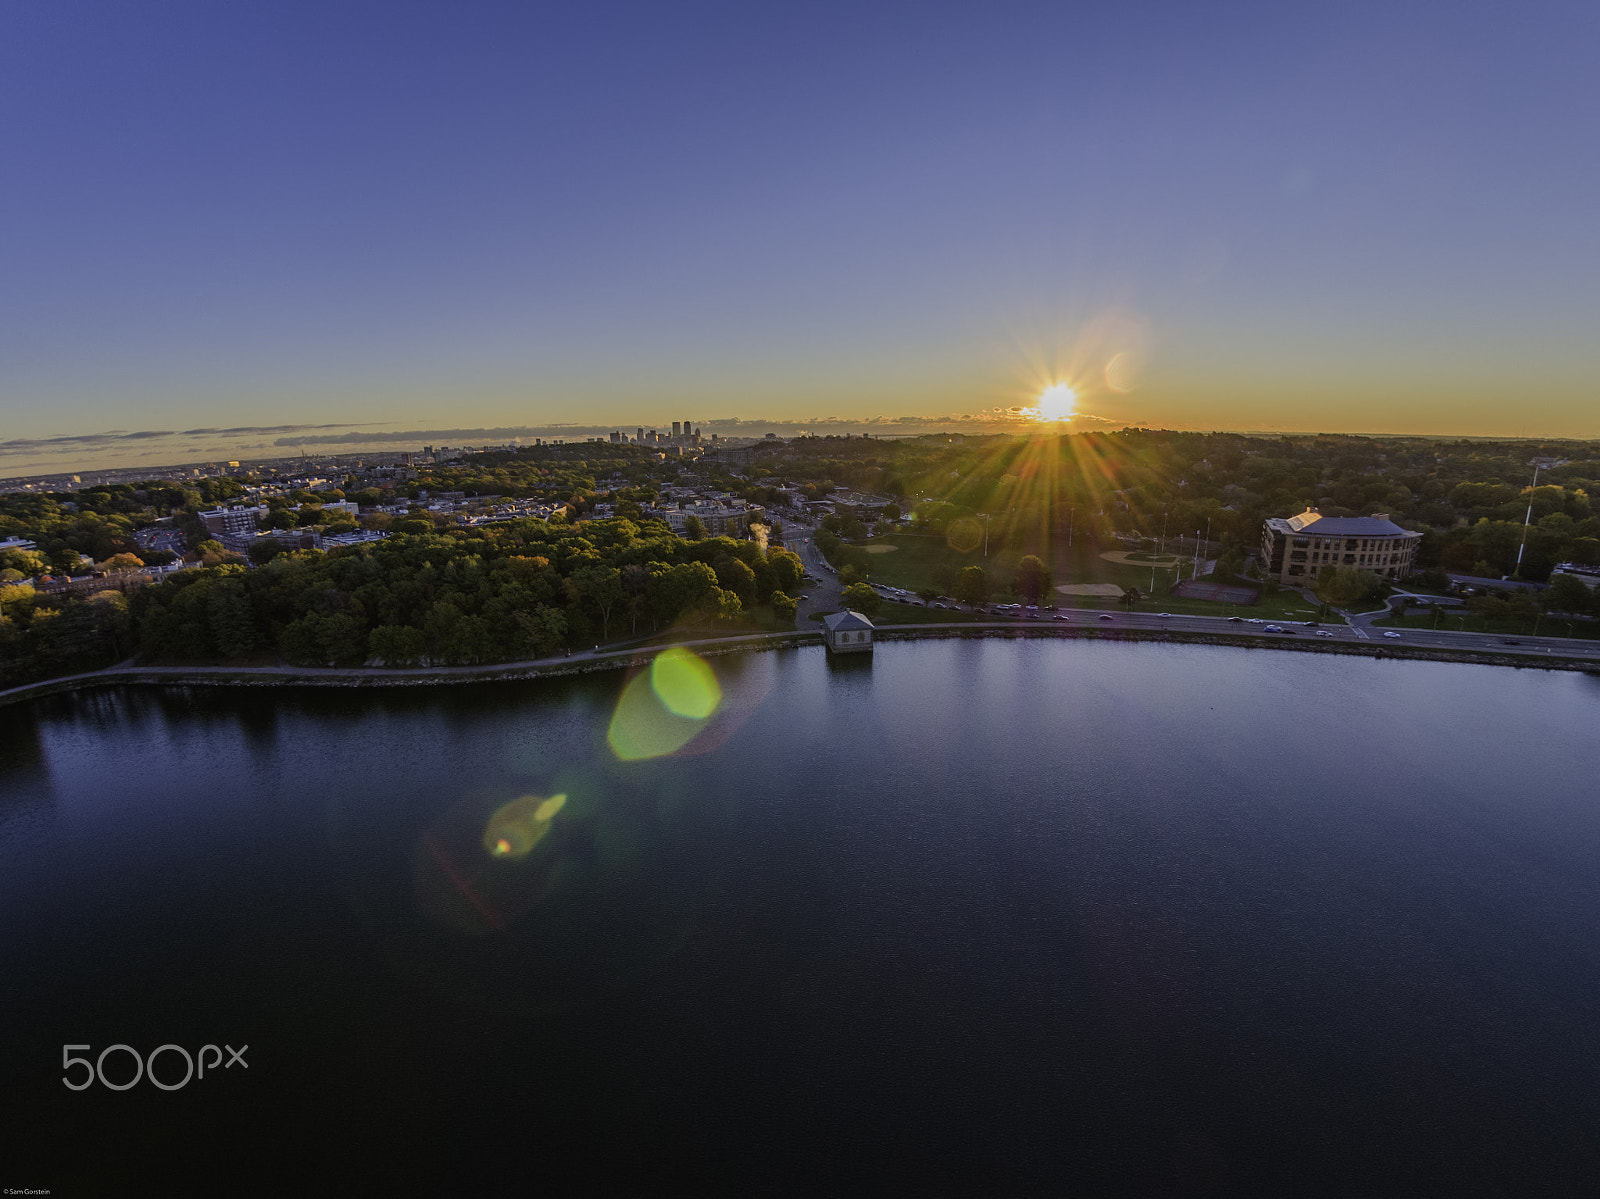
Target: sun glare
(1056, 402)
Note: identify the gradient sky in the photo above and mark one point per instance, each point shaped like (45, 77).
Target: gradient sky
(1368, 217)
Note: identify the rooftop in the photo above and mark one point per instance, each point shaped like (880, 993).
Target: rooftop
(1376, 525)
(849, 619)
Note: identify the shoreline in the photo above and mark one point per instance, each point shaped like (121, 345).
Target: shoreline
(627, 659)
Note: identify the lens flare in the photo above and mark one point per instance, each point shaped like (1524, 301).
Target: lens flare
(661, 710)
(685, 684)
(516, 827)
(964, 535)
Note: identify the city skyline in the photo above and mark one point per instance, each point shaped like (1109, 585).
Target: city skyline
(405, 219)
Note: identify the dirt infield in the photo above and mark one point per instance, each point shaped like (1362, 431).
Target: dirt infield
(1122, 558)
(880, 549)
(1089, 589)
(1217, 593)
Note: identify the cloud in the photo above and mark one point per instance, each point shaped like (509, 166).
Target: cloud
(114, 437)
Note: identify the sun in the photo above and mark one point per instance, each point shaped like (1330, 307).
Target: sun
(1057, 402)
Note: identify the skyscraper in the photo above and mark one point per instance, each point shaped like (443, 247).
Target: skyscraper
(677, 429)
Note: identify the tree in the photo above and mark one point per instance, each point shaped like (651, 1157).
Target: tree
(1342, 586)
(124, 562)
(972, 586)
(1032, 579)
(1228, 564)
(733, 575)
(1567, 594)
(787, 569)
(543, 629)
(694, 529)
(863, 599)
(397, 645)
(784, 607)
(1130, 598)
(602, 586)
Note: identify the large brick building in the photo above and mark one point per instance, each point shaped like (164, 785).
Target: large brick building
(1295, 549)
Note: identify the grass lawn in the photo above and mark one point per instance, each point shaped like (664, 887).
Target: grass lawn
(916, 558)
(1458, 621)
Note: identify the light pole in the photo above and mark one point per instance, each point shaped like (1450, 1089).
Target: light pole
(984, 517)
(1526, 521)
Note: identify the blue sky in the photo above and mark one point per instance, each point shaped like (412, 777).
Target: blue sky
(1363, 217)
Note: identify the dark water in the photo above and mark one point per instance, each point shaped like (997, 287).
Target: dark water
(973, 918)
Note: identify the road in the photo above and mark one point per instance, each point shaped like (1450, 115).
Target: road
(1530, 647)
(821, 596)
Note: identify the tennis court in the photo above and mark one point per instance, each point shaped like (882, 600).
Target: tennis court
(1217, 593)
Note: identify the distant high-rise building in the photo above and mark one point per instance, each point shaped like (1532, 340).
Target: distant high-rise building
(688, 428)
(677, 429)
(639, 435)
(616, 437)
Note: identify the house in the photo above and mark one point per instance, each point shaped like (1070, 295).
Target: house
(847, 632)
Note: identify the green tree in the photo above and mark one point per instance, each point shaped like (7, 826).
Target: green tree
(972, 586)
(601, 586)
(784, 607)
(1032, 580)
(1567, 594)
(733, 575)
(863, 599)
(787, 569)
(1343, 586)
(694, 529)
(1130, 598)
(397, 645)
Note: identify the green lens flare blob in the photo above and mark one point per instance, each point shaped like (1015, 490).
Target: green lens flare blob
(663, 709)
(685, 684)
(964, 535)
(516, 827)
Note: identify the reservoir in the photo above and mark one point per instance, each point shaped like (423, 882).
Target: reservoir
(965, 917)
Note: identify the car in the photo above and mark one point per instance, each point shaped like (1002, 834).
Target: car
(1510, 641)
(1236, 619)
(1272, 628)
(1324, 633)
(1311, 624)
(1290, 632)
(1163, 613)
(1058, 618)
(1390, 633)
(1105, 616)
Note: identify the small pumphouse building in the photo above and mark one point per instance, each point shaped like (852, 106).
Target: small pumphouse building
(847, 632)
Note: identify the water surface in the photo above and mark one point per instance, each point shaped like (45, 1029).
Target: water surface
(970, 917)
